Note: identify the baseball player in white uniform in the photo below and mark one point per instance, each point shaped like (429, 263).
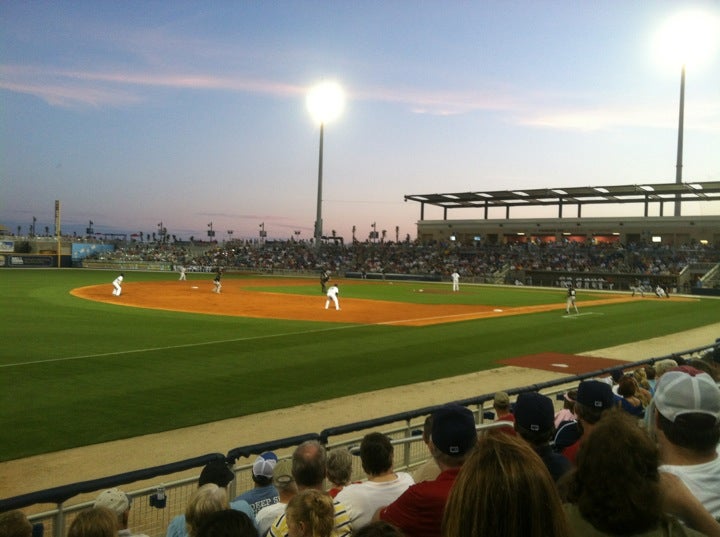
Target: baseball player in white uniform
(455, 280)
(182, 273)
(117, 284)
(332, 294)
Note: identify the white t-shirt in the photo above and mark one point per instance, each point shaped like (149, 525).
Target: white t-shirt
(703, 480)
(363, 499)
(267, 515)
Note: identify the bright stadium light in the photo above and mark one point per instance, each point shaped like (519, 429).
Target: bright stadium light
(325, 102)
(689, 38)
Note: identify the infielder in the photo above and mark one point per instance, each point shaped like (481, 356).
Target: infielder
(182, 273)
(455, 277)
(217, 283)
(332, 294)
(117, 284)
(570, 302)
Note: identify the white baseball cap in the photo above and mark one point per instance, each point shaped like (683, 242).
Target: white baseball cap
(686, 390)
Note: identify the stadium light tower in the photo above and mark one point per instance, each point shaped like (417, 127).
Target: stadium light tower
(687, 38)
(325, 102)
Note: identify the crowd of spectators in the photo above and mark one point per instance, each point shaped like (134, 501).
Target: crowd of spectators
(440, 259)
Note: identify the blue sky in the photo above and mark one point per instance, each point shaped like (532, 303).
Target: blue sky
(139, 112)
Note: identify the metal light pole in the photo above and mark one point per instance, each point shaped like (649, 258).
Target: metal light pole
(318, 215)
(325, 103)
(681, 120)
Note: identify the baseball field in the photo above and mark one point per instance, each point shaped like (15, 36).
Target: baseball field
(81, 366)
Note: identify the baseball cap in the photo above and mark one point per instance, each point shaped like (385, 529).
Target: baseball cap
(595, 394)
(534, 412)
(264, 464)
(501, 400)
(216, 472)
(282, 473)
(114, 499)
(453, 429)
(686, 390)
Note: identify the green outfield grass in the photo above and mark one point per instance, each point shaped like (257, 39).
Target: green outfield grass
(76, 372)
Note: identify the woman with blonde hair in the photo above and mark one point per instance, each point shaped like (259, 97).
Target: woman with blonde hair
(205, 500)
(504, 489)
(311, 513)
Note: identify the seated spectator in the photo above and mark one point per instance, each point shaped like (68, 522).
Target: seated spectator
(94, 522)
(594, 398)
(418, 511)
(534, 424)
(686, 413)
(661, 366)
(644, 393)
(339, 469)
(501, 406)
(15, 524)
(428, 470)
(119, 502)
(227, 523)
(567, 413)
(206, 500)
(629, 402)
(383, 484)
(286, 487)
(650, 375)
(264, 492)
(504, 490)
(217, 473)
(627, 500)
(308, 470)
(311, 513)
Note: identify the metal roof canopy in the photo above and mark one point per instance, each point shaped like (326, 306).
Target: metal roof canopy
(611, 194)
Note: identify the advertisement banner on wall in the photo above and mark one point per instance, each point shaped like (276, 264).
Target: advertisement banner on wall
(7, 246)
(82, 250)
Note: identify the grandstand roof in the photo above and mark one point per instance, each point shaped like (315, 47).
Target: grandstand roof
(611, 194)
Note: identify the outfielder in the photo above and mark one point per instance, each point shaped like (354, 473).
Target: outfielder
(117, 284)
(332, 294)
(570, 302)
(455, 281)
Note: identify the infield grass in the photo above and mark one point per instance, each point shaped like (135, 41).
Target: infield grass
(76, 372)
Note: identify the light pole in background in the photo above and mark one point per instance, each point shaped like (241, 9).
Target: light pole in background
(688, 37)
(325, 102)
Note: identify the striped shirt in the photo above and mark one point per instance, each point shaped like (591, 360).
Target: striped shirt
(342, 523)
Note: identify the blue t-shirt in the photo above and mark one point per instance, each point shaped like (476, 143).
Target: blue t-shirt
(260, 497)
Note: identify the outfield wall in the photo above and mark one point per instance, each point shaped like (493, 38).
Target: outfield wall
(34, 261)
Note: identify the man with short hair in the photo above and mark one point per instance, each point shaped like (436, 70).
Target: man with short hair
(418, 512)
(119, 503)
(308, 470)
(594, 398)
(383, 485)
(264, 492)
(687, 424)
(534, 423)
